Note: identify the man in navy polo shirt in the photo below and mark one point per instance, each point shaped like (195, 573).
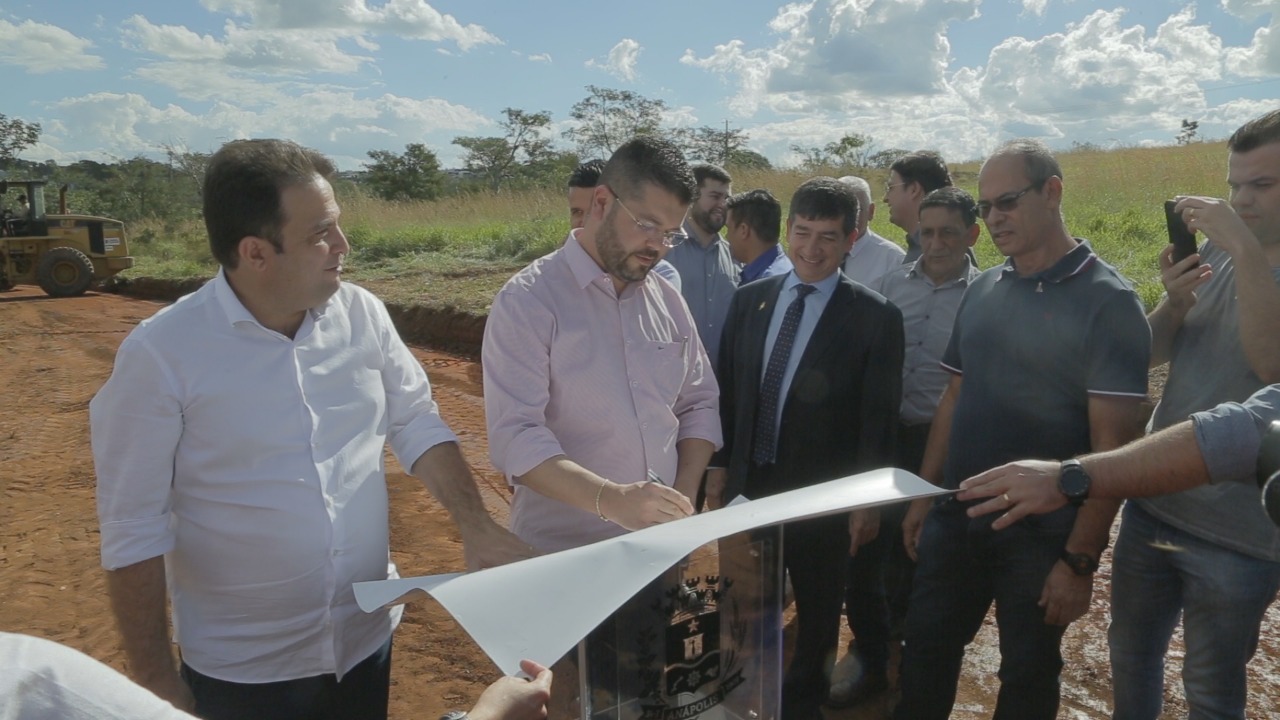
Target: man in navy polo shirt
(1048, 359)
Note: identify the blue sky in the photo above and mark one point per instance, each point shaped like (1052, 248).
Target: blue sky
(113, 80)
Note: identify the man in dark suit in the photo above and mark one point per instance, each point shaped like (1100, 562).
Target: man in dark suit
(810, 372)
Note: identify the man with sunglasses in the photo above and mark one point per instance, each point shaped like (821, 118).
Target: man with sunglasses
(594, 380)
(1048, 359)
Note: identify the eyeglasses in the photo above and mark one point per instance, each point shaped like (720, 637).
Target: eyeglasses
(888, 188)
(1005, 203)
(669, 238)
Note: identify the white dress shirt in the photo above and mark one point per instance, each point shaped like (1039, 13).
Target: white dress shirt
(254, 463)
(872, 256)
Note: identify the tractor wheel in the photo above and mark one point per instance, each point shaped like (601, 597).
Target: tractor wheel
(64, 272)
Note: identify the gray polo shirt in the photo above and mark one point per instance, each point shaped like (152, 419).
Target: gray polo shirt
(708, 278)
(1032, 350)
(928, 314)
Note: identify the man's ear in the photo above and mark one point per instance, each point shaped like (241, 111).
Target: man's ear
(253, 251)
(601, 199)
(974, 231)
(1053, 191)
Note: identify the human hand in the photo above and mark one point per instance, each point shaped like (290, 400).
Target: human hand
(487, 544)
(515, 698)
(640, 505)
(717, 481)
(1216, 219)
(1020, 489)
(1181, 279)
(1066, 595)
(913, 523)
(864, 525)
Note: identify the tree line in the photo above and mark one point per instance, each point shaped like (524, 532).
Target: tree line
(521, 155)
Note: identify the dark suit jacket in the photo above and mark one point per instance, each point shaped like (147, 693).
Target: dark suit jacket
(840, 415)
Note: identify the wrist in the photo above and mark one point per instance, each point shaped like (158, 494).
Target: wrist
(601, 510)
(1080, 564)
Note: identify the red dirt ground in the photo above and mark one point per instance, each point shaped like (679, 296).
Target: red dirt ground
(55, 354)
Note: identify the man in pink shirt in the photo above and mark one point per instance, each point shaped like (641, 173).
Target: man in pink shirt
(601, 405)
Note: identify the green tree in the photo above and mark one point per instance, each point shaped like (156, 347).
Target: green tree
(607, 118)
(523, 143)
(749, 160)
(713, 145)
(882, 159)
(414, 175)
(16, 135)
(1187, 135)
(852, 150)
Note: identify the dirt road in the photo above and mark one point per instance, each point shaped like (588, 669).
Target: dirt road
(55, 354)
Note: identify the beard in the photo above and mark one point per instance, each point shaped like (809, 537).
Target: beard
(706, 221)
(616, 259)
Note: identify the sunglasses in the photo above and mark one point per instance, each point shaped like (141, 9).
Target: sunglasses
(1005, 203)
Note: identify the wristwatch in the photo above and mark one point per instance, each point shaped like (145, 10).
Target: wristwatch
(1074, 482)
(454, 715)
(1080, 563)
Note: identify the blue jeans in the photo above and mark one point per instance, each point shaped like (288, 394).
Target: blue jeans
(962, 570)
(1221, 595)
(362, 694)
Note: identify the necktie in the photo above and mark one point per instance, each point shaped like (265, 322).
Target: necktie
(766, 440)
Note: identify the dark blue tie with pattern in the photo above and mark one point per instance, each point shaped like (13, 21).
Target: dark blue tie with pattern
(766, 440)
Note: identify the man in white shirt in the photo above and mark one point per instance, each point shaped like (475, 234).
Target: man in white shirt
(872, 255)
(238, 447)
(42, 680)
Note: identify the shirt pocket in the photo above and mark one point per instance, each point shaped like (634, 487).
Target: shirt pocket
(666, 364)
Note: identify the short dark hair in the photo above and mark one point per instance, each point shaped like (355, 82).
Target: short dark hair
(586, 175)
(702, 171)
(925, 167)
(953, 198)
(646, 159)
(760, 210)
(825, 198)
(1256, 133)
(242, 187)
(1038, 162)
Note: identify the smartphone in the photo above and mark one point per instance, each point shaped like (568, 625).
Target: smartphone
(1183, 239)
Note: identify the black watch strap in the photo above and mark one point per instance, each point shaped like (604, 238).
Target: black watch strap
(1080, 563)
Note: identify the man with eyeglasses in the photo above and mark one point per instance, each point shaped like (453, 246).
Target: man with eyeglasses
(1048, 359)
(811, 370)
(582, 181)
(911, 177)
(708, 273)
(594, 380)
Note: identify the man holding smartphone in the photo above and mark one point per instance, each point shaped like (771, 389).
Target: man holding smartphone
(1209, 554)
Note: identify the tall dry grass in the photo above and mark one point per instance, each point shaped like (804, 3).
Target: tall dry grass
(1113, 198)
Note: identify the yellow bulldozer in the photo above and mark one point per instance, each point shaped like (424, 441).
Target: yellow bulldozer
(62, 253)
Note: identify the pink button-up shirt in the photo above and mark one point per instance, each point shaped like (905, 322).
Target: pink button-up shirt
(611, 381)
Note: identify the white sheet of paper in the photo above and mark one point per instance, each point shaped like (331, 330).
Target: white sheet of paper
(541, 607)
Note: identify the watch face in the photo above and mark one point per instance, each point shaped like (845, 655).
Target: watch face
(1074, 483)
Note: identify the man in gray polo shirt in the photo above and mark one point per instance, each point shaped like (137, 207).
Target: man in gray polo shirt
(1048, 359)
(708, 274)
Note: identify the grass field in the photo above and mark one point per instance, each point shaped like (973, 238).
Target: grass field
(457, 252)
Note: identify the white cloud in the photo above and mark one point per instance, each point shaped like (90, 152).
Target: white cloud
(621, 62)
(272, 51)
(123, 125)
(42, 48)
(1099, 77)
(403, 18)
(834, 51)
(541, 58)
(1035, 7)
(1262, 56)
